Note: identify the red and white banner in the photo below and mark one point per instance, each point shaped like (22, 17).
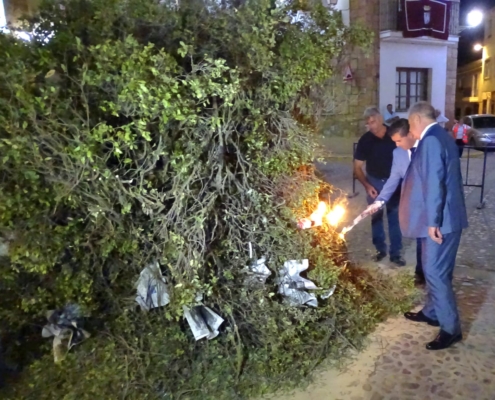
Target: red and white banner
(425, 18)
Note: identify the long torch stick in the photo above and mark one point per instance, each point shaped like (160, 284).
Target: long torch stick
(360, 217)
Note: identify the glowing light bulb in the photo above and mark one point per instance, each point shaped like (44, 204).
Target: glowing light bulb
(474, 18)
(477, 47)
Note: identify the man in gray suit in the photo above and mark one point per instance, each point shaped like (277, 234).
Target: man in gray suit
(399, 132)
(432, 208)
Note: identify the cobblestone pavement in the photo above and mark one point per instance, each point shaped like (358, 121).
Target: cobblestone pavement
(396, 365)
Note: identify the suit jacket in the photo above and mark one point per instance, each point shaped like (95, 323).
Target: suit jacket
(400, 165)
(432, 191)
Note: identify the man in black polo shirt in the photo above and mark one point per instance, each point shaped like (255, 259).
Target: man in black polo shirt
(375, 148)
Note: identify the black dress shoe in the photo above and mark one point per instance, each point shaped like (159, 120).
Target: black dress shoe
(443, 340)
(419, 280)
(399, 261)
(420, 317)
(379, 256)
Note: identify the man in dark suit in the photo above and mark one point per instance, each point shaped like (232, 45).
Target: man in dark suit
(432, 208)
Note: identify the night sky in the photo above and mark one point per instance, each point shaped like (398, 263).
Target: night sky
(472, 35)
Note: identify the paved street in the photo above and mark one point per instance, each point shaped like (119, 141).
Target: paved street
(396, 364)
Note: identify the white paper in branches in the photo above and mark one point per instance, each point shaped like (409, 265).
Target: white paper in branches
(152, 290)
(203, 321)
(258, 273)
(292, 285)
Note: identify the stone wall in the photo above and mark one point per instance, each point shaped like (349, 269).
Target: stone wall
(450, 90)
(452, 50)
(351, 98)
(16, 9)
(388, 15)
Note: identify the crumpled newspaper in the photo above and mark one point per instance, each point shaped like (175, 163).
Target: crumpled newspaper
(5, 240)
(203, 321)
(292, 285)
(258, 273)
(296, 297)
(152, 290)
(328, 293)
(65, 327)
(4, 249)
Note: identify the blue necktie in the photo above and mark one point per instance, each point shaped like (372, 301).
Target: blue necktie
(413, 150)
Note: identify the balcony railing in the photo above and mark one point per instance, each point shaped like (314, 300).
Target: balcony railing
(389, 10)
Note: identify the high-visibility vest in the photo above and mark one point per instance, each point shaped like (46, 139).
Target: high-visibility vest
(465, 129)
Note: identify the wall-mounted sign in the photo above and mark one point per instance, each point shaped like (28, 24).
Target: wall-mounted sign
(424, 18)
(348, 74)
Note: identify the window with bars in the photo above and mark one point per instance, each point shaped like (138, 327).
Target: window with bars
(411, 87)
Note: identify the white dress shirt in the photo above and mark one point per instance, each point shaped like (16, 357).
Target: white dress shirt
(409, 151)
(442, 119)
(389, 115)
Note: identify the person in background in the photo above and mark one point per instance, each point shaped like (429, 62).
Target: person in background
(399, 132)
(440, 118)
(390, 115)
(375, 148)
(432, 208)
(459, 131)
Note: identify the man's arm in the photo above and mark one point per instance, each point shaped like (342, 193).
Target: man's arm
(361, 177)
(433, 165)
(393, 181)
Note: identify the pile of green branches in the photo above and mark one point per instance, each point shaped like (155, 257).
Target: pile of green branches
(134, 131)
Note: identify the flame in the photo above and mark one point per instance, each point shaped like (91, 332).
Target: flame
(335, 216)
(319, 213)
(345, 230)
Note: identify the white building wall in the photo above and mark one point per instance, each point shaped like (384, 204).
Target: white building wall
(343, 6)
(3, 17)
(396, 52)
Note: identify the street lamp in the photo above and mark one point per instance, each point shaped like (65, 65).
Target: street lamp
(474, 18)
(477, 47)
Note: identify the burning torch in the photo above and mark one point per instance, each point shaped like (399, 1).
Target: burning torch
(333, 216)
(371, 209)
(322, 212)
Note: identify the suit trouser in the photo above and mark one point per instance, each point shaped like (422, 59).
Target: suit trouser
(438, 267)
(419, 261)
(460, 145)
(377, 229)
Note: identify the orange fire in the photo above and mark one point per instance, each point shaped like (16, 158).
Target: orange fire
(335, 215)
(318, 214)
(332, 216)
